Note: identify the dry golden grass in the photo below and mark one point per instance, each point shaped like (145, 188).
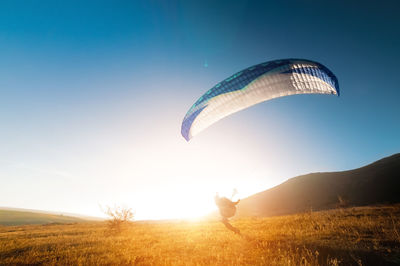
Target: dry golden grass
(359, 236)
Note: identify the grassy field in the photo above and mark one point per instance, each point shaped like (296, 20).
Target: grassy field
(355, 236)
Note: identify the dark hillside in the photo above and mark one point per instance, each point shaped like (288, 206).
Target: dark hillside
(376, 183)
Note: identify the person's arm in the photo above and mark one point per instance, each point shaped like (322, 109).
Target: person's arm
(236, 203)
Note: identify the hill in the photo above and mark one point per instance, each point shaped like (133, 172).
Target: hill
(376, 183)
(23, 217)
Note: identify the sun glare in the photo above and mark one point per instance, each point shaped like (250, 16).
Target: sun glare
(176, 208)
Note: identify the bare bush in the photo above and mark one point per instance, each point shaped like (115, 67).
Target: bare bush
(119, 217)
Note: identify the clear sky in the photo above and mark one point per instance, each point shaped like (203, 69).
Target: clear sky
(93, 93)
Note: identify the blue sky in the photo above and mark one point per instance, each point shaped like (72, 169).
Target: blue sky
(92, 94)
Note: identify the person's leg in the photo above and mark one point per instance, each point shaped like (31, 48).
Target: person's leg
(225, 221)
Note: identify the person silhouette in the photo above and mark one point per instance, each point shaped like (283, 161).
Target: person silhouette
(227, 209)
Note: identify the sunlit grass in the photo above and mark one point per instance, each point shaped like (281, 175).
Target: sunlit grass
(348, 236)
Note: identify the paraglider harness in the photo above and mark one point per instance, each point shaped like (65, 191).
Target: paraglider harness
(226, 207)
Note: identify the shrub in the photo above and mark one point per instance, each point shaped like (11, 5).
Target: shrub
(119, 217)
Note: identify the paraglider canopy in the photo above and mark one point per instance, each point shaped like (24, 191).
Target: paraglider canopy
(256, 84)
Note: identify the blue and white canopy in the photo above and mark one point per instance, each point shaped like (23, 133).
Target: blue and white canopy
(257, 84)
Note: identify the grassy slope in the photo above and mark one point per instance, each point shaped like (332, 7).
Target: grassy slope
(11, 217)
(368, 235)
(377, 183)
